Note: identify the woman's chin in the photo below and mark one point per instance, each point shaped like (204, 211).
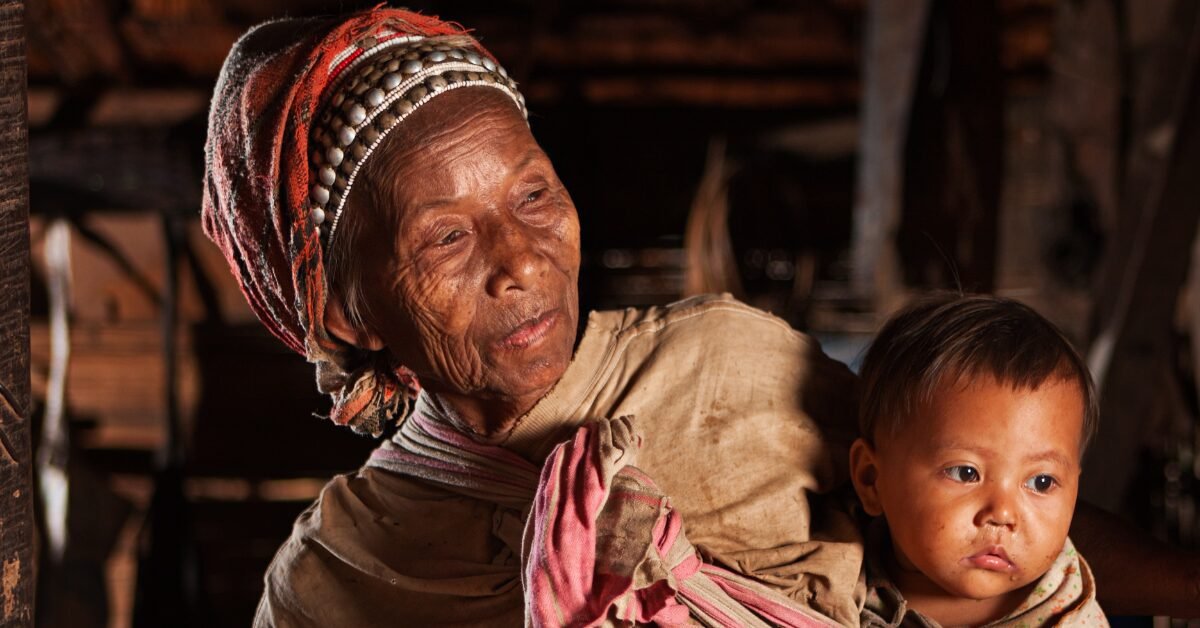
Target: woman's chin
(536, 374)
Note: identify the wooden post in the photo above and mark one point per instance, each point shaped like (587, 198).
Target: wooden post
(1144, 271)
(931, 157)
(895, 32)
(953, 155)
(16, 506)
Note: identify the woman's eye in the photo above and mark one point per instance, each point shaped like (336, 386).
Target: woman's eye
(962, 473)
(534, 196)
(453, 236)
(1040, 483)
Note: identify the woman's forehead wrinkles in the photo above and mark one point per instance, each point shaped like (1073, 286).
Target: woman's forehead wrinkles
(462, 168)
(530, 156)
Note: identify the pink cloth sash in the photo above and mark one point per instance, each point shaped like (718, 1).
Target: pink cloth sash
(603, 544)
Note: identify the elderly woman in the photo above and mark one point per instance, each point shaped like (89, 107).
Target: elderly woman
(375, 187)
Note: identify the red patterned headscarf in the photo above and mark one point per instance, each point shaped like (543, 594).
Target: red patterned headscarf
(292, 96)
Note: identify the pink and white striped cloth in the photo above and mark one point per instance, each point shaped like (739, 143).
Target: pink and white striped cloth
(602, 543)
(428, 446)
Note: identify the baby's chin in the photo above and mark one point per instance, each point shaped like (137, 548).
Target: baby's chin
(981, 584)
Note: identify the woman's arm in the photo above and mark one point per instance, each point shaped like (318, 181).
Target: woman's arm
(1136, 574)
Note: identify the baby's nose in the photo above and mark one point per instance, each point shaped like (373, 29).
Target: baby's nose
(999, 512)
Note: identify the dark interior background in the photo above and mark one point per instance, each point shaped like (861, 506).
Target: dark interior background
(826, 160)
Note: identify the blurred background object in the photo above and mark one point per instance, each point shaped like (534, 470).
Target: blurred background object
(821, 159)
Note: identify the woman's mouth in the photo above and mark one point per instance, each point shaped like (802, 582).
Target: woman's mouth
(531, 331)
(992, 559)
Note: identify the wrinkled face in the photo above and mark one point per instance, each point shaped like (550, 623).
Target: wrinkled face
(979, 488)
(476, 289)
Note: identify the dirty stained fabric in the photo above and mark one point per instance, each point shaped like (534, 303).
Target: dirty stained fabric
(745, 426)
(1065, 596)
(604, 545)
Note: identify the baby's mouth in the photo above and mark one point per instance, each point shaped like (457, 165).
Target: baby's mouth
(992, 558)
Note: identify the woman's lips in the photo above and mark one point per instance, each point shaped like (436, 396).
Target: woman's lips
(991, 559)
(530, 331)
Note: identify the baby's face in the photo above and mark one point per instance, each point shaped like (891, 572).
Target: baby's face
(978, 491)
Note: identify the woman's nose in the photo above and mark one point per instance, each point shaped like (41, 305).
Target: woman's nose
(516, 263)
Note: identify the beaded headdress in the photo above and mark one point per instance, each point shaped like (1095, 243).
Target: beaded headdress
(375, 84)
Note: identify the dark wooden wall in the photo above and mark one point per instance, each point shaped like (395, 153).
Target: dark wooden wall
(16, 511)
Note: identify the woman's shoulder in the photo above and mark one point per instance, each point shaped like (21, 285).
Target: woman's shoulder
(727, 346)
(721, 314)
(376, 543)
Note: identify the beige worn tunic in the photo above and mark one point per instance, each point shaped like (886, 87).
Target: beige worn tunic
(745, 424)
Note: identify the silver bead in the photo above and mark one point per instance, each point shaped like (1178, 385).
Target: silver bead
(411, 67)
(472, 58)
(436, 83)
(455, 54)
(346, 135)
(374, 98)
(391, 81)
(489, 64)
(357, 114)
(335, 156)
(437, 57)
(318, 215)
(320, 195)
(327, 175)
(502, 71)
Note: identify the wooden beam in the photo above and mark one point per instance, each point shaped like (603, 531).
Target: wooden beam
(723, 93)
(16, 511)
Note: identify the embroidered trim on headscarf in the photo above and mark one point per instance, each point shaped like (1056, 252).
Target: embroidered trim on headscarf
(375, 89)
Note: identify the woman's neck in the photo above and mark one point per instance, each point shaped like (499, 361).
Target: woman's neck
(490, 420)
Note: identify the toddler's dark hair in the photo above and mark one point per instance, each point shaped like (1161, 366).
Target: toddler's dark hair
(949, 338)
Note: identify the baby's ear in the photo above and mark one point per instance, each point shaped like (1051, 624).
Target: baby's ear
(864, 473)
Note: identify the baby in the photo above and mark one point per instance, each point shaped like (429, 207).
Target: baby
(975, 414)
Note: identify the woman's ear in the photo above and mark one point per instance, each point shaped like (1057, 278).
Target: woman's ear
(864, 473)
(338, 324)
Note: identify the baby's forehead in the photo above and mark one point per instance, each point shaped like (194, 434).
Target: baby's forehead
(986, 414)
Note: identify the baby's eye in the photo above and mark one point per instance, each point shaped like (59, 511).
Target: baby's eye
(962, 473)
(1041, 483)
